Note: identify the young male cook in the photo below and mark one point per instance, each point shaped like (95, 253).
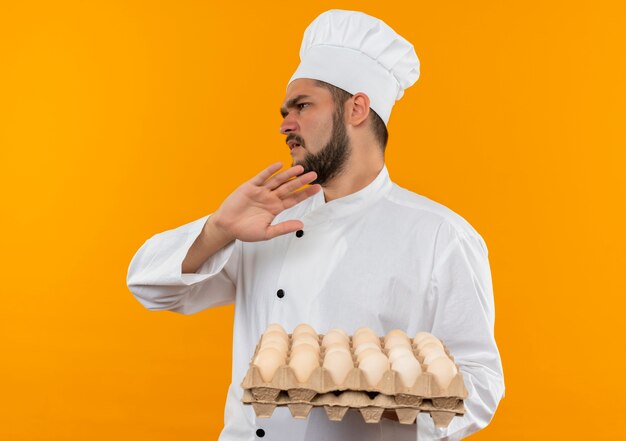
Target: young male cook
(351, 250)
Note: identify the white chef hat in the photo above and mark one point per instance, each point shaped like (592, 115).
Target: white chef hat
(358, 53)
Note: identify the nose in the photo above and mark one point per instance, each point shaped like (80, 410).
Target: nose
(289, 124)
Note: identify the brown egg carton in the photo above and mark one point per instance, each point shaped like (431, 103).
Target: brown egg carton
(320, 390)
(321, 382)
(371, 407)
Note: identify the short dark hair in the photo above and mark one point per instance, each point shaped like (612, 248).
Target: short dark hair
(340, 96)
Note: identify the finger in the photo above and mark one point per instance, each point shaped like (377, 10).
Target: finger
(299, 196)
(295, 183)
(265, 174)
(280, 178)
(283, 228)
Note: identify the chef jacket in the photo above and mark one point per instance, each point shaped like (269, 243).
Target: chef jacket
(382, 257)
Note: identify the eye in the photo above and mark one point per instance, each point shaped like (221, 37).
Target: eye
(301, 105)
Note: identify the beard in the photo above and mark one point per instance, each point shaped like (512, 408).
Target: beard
(330, 161)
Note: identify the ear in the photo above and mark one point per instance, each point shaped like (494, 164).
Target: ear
(359, 108)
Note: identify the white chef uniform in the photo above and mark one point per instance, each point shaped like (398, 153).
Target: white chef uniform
(382, 257)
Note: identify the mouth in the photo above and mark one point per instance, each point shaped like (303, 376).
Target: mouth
(292, 143)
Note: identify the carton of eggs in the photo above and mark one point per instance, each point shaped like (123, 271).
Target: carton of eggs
(304, 351)
(393, 372)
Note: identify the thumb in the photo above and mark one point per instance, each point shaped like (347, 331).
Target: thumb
(283, 228)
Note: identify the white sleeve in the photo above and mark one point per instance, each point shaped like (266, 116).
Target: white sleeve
(155, 273)
(463, 317)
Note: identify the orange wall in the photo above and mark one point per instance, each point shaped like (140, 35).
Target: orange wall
(121, 119)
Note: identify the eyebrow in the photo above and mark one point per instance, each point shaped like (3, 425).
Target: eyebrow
(291, 103)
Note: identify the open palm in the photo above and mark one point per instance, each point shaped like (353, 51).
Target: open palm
(247, 213)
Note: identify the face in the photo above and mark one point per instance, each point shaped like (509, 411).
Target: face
(315, 130)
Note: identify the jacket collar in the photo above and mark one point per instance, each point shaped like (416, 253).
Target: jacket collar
(319, 210)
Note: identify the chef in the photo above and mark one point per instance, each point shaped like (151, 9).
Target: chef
(333, 242)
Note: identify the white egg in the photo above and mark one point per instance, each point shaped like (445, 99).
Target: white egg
(408, 368)
(405, 359)
(274, 340)
(303, 328)
(429, 341)
(397, 340)
(339, 364)
(338, 348)
(444, 370)
(268, 361)
(399, 351)
(304, 348)
(433, 355)
(304, 337)
(339, 344)
(276, 344)
(273, 351)
(298, 345)
(333, 337)
(365, 345)
(374, 367)
(303, 363)
(422, 336)
(367, 353)
(275, 335)
(275, 327)
(365, 337)
(430, 347)
(396, 333)
(364, 330)
(339, 331)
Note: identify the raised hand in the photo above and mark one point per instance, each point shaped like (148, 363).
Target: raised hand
(247, 213)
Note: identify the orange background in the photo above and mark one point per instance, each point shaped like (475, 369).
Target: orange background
(122, 119)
